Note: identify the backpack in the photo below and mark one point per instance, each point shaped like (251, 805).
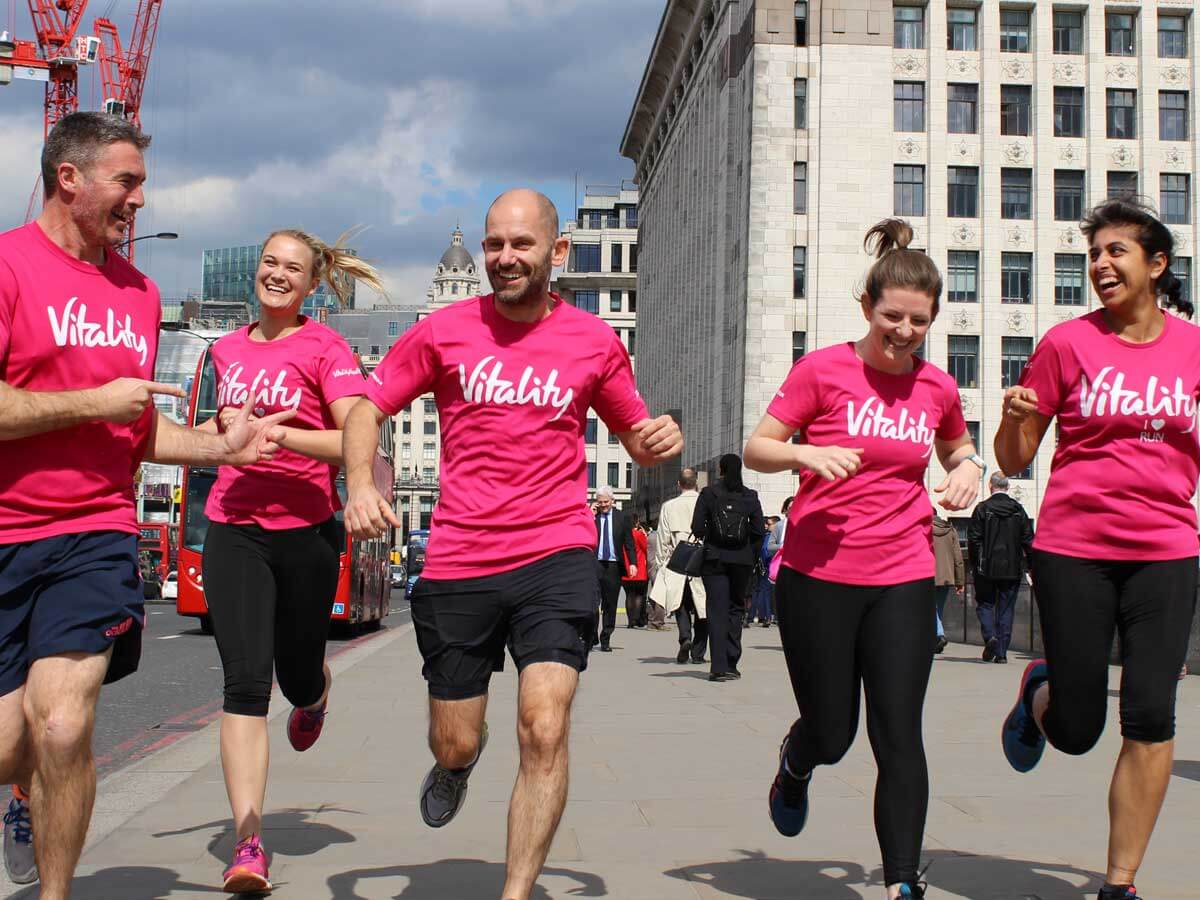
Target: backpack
(731, 522)
(1001, 548)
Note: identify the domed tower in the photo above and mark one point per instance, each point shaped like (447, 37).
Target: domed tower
(457, 276)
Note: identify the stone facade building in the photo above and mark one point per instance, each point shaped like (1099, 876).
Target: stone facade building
(769, 135)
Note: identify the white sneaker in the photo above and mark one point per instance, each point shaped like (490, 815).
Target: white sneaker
(18, 843)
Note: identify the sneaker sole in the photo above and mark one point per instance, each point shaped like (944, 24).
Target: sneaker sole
(247, 883)
(1012, 712)
(27, 878)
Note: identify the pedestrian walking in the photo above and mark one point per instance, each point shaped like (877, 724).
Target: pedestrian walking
(614, 550)
(656, 614)
(855, 587)
(999, 541)
(1116, 546)
(271, 553)
(636, 576)
(78, 340)
(512, 549)
(760, 608)
(949, 574)
(681, 595)
(729, 520)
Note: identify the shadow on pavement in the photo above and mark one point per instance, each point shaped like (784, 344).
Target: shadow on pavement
(142, 882)
(760, 877)
(290, 832)
(660, 660)
(1187, 768)
(684, 673)
(448, 878)
(768, 647)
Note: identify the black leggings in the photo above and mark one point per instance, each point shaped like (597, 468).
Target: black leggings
(1081, 603)
(836, 637)
(269, 596)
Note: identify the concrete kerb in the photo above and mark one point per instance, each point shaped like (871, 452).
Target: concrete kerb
(125, 793)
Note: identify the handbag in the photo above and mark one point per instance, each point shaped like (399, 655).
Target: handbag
(687, 558)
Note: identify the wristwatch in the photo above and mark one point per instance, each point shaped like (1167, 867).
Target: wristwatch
(978, 460)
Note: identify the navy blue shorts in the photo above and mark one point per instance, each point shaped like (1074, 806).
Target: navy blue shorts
(75, 593)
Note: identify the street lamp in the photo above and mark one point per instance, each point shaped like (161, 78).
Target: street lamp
(162, 236)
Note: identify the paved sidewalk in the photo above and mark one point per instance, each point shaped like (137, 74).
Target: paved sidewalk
(668, 796)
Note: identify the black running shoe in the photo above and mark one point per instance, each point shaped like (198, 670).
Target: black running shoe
(1118, 893)
(685, 650)
(444, 791)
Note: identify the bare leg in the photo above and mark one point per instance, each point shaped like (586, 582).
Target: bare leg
(455, 727)
(60, 708)
(1138, 787)
(538, 798)
(245, 757)
(16, 760)
(324, 696)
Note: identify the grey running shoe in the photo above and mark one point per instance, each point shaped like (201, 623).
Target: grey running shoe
(18, 843)
(443, 791)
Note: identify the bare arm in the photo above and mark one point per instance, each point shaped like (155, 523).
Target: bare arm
(247, 441)
(1021, 430)
(960, 487)
(26, 413)
(652, 441)
(770, 450)
(367, 513)
(324, 445)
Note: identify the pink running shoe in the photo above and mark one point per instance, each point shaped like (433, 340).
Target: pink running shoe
(248, 874)
(304, 727)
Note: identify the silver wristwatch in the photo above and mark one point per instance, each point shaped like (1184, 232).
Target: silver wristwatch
(978, 460)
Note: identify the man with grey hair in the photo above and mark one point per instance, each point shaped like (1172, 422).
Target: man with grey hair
(678, 594)
(78, 339)
(614, 546)
(999, 542)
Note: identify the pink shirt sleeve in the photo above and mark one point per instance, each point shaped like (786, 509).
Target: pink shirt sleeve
(338, 373)
(8, 300)
(798, 400)
(1043, 374)
(407, 371)
(617, 400)
(952, 425)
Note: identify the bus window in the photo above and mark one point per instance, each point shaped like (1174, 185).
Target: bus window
(195, 526)
(339, 517)
(206, 397)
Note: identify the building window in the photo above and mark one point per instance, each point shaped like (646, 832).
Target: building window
(1174, 200)
(1118, 34)
(1172, 36)
(800, 188)
(427, 505)
(1122, 114)
(1016, 277)
(909, 190)
(1122, 184)
(961, 26)
(799, 344)
(973, 434)
(591, 476)
(614, 472)
(1068, 32)
(393, 329)
(909, 106)
(1068, 112)
(1172, 115)
(406, 451)
(799, 260)
(429, 451)
(1069, 275)
(588, 301)
(406, 426)
(1068, 194)
(801, 12)
(633, 250)
(629, 475)
(429, 426)
(962, 276)
(1016, 193)
(963, 192)
(1014, 109)
(614, 301)
(910, 27)
(1181, 267)
(962, 359)
(962, 108)
(430, 407)
(375, 349)
(1014, 353)
(615, 258)
(633, 301)
(589, 431)
(801, 111)
(631, 217)
(632, 341)
(587, 257)
(612, 438)
(1014, 31)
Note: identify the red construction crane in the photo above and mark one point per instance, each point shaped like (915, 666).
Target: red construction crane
(58, 52)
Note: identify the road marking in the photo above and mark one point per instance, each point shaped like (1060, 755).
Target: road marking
(169, 637)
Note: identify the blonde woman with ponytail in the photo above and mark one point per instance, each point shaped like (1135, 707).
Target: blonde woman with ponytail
(855, 597)
(271, 555)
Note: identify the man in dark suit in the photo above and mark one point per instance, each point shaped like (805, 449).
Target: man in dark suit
(613, 534)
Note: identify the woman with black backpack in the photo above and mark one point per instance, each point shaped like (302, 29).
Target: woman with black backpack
(729, 520)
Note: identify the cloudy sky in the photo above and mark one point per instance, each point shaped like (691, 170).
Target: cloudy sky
(405, 116)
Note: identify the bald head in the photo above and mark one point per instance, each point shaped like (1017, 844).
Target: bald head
(527, 204)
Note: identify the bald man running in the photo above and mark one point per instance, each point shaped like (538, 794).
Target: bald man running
(510, 560)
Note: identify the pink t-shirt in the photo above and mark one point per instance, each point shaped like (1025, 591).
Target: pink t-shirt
(513, 400)
(306, 371)
(1126, 464)
(876, 527)
(69, 325)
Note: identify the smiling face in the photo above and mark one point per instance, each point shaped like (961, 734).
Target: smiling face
(604, 503)
(899, 322)
(1122, 274)
(521, 248)
(106, 194)
(285, 276)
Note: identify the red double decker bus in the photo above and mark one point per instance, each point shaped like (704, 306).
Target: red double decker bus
(363, 592)
(158, 541)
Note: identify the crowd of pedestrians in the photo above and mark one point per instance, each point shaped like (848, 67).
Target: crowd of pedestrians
(857, 570)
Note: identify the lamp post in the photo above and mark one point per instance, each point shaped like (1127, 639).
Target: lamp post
(162, 236)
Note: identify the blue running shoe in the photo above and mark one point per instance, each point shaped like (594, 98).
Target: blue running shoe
(1021, 738)
(788, 800)
(912, 889)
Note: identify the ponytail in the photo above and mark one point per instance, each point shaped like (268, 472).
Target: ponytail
(898, 266)
(335, 265)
